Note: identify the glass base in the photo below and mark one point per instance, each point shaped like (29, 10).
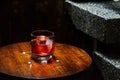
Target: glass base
(42, 59)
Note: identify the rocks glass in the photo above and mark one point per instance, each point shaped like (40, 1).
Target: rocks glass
(42, 45)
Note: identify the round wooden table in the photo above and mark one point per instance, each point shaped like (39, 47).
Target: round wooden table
(15, 60)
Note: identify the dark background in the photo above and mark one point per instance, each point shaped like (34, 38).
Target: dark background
(19, 17)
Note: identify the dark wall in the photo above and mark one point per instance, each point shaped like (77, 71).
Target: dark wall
(19, 17)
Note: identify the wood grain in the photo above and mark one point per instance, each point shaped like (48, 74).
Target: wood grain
(13, 62)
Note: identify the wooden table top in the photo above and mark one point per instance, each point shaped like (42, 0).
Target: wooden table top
(15, 62)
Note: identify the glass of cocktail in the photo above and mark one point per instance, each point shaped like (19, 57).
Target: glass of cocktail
(42, 45)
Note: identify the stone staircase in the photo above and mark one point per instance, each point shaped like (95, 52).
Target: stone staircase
(101, 21)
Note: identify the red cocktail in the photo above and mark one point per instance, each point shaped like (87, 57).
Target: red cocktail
(42, 45)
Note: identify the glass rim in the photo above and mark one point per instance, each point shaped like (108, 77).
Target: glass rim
(51, 32)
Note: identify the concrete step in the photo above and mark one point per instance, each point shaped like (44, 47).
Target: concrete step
(100, 20)
(108, 64)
